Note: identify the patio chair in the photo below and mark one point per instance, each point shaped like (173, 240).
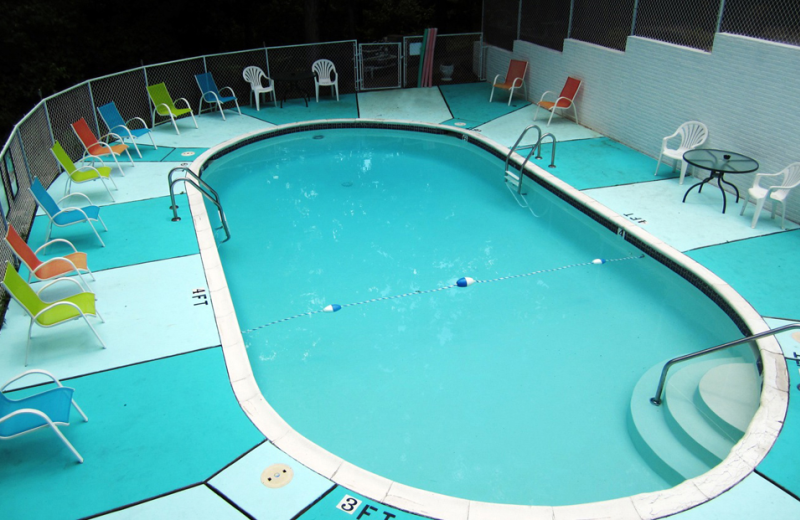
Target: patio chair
(514, 79)
(74, 262)
(68, 216)
(325, 76)
(692, 135)
(97, 148)
(85, 173)
(564, 100)
(165, 107)
(786, 180)
(47, 408)
(121, 128)
(211, 94)
(253, 75)
(49, 314)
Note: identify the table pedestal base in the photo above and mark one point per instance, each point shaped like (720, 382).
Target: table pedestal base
(720, 179)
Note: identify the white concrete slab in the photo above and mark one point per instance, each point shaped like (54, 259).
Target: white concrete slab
(415, 104)
(656, 206)
(196, 502)
(211, 130)
(506, 129)
(149, 313)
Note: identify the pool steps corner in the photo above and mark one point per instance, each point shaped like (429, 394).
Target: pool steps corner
(687, 435)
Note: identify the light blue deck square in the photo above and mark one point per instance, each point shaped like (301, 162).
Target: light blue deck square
(197, 502)
(241, 483)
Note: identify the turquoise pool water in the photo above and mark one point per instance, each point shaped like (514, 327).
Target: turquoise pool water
(514, 390)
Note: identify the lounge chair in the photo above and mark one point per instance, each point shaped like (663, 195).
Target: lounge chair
(67, 216)
(165, 107)
(85, 173)
(118, 126)
(564, 100)
(74, 262)
(97, 148)
(325, 76)
(47, 408)
(50, 314)
(211, 94)
(515, 79)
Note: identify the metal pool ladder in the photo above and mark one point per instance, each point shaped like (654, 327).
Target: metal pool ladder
(201, 186)
(515, 179)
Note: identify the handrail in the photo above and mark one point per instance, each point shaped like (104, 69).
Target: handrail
(201, 186)
(552, 153)
(656, 400)
(533, 149)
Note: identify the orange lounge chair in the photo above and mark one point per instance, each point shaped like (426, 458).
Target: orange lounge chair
(74, 262)
(515, 78)
(565, 100)
(95, 147)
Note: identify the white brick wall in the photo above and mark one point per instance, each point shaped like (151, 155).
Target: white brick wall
(747, 92)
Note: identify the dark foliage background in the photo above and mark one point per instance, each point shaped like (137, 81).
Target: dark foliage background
(48, 45)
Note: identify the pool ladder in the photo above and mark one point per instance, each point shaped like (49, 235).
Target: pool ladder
(514, 180)
(201, 186)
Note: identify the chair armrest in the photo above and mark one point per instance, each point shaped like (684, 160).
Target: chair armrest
(76, 194)
(166, 107)
(559, 99)
(122, 130)
(227, 88)
(514, 83)
(56, 260)
(545, 93)
(29, 372)
(184, 100)
(53, 305)
(112, 135)
(494, 81)
(88, 167)
(57, 280)
(135, 119)
(43, 246)
(213, 96)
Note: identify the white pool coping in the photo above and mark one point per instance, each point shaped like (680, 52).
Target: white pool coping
(742, 460)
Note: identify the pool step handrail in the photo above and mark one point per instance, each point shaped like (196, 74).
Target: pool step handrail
(656, 400)
(552, 152)
(511, 177)
(201, 186)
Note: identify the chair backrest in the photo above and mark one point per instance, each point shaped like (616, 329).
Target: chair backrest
(791, 176)
(159, 95)
(111, 116)
(22, 249)
(516, 69)
(206, 83)
(253, 75)
(84, 133)
(62, 157)
(55, 403)
(44, 199)
(570, 89)
(693, 134)
(21, 291)
(323, 68)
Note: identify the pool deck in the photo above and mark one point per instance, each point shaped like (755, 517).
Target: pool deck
(166, 436)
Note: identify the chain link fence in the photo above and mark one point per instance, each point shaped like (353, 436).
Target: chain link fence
(545, 23)
(691, 23)
(500, 23)
(457, 58)
(773, 20)
(603, 22)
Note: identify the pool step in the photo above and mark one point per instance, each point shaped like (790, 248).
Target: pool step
(679, 439)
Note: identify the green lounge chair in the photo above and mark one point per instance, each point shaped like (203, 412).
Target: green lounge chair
(50, 314)
(85, 173)
(165, 107)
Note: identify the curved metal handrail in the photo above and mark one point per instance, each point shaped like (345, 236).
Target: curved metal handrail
(656, 400)
(552, 153)
(533, 149)
(204, 188)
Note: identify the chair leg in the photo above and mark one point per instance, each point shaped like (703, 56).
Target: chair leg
(65, 441)
(491, 95)
(174, 123)
(552, 113)
(658, 163)
(744, 203)
(336, 86)
(510, 95)
(316, 90)
(237, 106)
(136, 146)
(536, 114)
(684, 167)
(759, 206)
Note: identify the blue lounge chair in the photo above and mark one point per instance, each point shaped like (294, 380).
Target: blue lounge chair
(48, 408)
(211, 94)
(66, 216)
(118, 126)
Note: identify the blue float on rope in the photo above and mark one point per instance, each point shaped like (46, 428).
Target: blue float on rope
(332, 308)
(465, 282)
(598, 261)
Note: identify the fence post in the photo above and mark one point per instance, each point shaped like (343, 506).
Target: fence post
(719, 14)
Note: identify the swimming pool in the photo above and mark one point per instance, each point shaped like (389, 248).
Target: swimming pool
(326, 346)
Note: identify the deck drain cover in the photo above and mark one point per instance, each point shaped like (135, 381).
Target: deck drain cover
(460, 123)
(187, 154)
(796, 336)
(277, 475)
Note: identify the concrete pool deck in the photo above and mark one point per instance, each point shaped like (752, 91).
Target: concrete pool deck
(163, 356)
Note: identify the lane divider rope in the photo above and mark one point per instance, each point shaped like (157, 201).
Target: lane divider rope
(462, 282)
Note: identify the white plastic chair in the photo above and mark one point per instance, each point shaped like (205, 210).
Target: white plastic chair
(253, 76)
(786, 179)
(325, 76)
(692, 134)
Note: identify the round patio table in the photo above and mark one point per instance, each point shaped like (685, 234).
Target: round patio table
(719, 162)
(293, 80)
